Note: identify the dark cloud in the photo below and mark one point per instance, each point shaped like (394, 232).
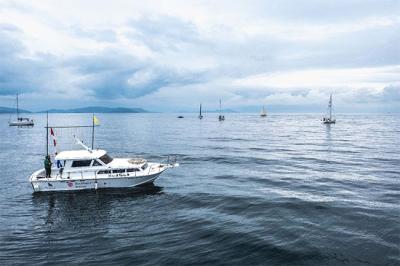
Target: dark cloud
(17, 73)
(113, 74)
(107, 74)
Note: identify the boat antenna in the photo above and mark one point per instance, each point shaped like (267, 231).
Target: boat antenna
(78, 141)
(92, 131)
(47, 133)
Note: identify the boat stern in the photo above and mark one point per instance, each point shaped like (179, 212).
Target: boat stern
(34, 179)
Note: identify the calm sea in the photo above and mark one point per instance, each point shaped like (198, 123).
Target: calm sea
(285, 190)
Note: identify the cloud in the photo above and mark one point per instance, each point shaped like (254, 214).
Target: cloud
(163, 33)
(99, 35)
(17, 74)
(173, 55)
(114, 74)
(391, 94)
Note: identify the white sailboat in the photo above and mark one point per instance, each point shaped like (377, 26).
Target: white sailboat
(21, 121)
(200, 114)
(263, 112)
(221, 117)
(328, 118)
(92, 169)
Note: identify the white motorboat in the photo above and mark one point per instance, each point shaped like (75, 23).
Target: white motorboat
(91, 169)
(328, 118)
(21, 121)
(263, 112)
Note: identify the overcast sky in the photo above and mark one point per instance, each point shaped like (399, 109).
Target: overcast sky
(172, 55)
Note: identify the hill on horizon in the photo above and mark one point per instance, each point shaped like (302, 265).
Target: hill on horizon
(97, 109)
(7, 110)
(89, 109)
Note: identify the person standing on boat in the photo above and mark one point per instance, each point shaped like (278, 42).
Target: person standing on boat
(47, 166)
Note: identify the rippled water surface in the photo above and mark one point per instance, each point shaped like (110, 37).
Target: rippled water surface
(249, 191)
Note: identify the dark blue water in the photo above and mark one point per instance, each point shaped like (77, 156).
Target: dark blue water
(284, 190)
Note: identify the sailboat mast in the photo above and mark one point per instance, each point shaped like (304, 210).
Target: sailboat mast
(47, 133)
(92, 131)
(17, 107)
(200, 109)
(330, 107)
(220, 112)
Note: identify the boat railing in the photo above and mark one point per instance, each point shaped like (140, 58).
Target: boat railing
(171, 159)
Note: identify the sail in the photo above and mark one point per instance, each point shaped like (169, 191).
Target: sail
(220, 117)
(329, 116)
(263, 113)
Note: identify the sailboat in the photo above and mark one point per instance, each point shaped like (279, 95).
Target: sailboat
(21, 121)
(263, 112)
(220, 117)
(200, 114)
(328, 119)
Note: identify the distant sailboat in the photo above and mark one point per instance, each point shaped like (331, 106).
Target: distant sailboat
(220, 117)
(200, 114)
(328, 119)
(21, 121)
(263, 112)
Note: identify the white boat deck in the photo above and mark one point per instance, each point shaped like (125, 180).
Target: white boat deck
(98, 173)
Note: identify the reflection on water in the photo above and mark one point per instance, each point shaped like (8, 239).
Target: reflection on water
(328, 131)
(74, 209)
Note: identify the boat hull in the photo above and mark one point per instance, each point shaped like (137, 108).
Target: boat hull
(21, 123)
(45, 184)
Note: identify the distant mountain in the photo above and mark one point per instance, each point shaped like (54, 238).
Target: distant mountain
(7, 110)
(223, 111)
(98, 109)
(208, 111)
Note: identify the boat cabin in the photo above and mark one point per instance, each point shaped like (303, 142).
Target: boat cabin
(23, 119)
(97, 160)
(83, 158)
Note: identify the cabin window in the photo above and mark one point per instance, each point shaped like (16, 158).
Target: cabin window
(83, 163)
(106, 158)
(104, 172)
(118, 171)
(96, 163)
(133, 170)
(144, 166)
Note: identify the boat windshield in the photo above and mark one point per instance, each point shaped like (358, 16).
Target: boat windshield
(106, 158)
